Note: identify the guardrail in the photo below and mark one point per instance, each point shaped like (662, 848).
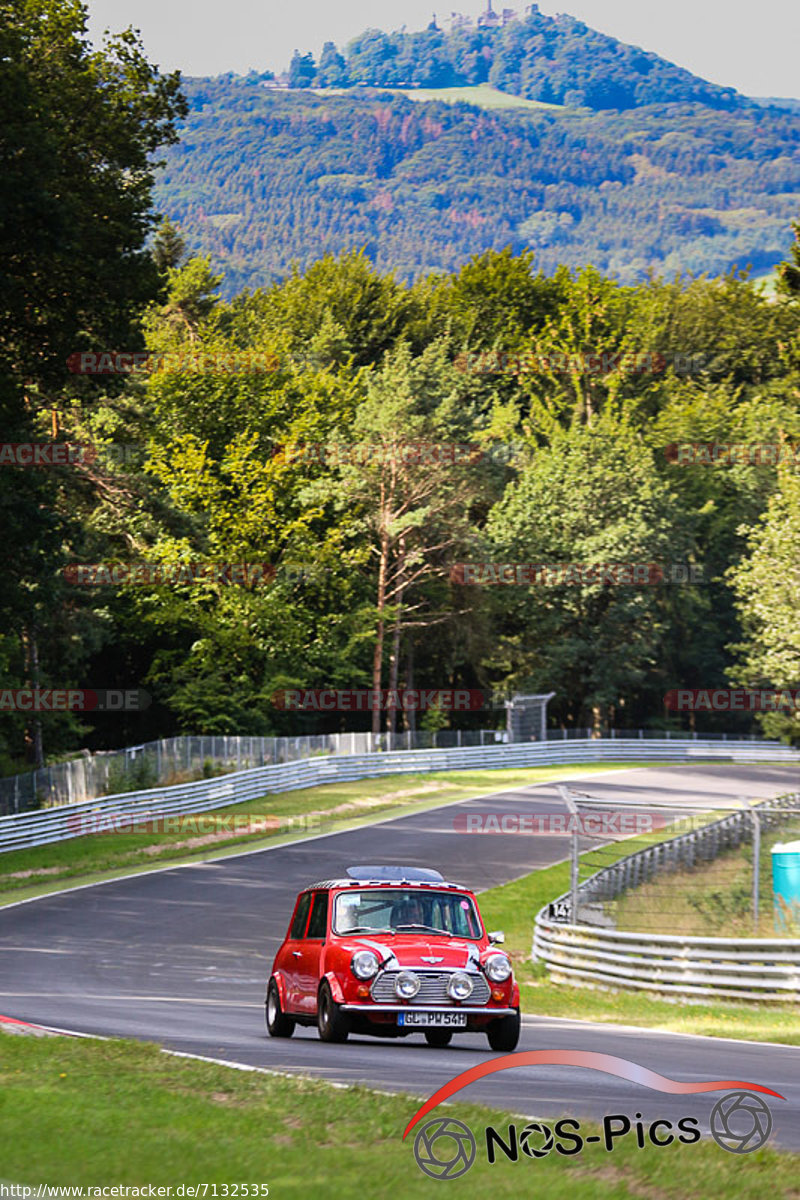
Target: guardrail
(669, 964)
(713, 967)
(58, 824)
(163, 762)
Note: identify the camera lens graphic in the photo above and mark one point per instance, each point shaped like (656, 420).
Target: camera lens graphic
(444, 1148)
(529, 1137)
(740, 1122)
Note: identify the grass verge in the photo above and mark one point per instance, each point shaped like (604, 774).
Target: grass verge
(307, 812)
(513, 907)
(79, 1112)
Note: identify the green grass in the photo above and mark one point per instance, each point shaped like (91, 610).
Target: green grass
(513, 908)
(323, 809)
(80, 1112)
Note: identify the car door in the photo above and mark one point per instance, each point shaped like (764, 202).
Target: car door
(292, 953)
(310, 954)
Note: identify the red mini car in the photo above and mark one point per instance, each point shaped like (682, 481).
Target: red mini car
(392, 951)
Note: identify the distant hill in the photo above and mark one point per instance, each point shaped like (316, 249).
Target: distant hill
(262, 178)
(557, 60)
(777, 102)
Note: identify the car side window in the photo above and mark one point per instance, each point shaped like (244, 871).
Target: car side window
(319, 916)
(298, 926)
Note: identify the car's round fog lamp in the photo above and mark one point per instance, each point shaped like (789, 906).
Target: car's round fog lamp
(406, 985)
(460, 986)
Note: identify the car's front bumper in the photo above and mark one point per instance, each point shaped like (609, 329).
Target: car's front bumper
(394, 1009)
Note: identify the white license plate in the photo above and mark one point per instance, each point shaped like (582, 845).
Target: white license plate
(451, 1019)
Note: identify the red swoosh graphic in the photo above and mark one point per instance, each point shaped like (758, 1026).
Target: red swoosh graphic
(609, 1063)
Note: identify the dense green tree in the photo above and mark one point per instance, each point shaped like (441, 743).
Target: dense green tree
(301, 70)
(767, 586)
(592, 497)
(332, 69)
(80, 131)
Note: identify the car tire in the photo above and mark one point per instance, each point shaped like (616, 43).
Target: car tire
(278, 1024)
(438, 1037)
(503, 1033)
(332, 1023)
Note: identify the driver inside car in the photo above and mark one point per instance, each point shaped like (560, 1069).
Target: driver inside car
(408, 912)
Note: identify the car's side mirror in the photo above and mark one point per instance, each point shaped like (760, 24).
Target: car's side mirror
(497, 938)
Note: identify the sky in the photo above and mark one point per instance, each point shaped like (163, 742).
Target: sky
(751, 45)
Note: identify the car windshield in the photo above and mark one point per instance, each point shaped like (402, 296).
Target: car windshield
(386, 910)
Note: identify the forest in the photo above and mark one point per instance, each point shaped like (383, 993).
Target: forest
(262, 180)
(239, 492)
(556, 60)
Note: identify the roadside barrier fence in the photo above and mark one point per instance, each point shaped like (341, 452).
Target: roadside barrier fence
(183, 759)
(691, 916)
(39, 827)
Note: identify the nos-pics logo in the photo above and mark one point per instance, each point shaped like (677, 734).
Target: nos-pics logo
(446, 1148)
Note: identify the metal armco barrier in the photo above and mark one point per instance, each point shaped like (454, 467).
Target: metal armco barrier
(58, 824)
(684, 966)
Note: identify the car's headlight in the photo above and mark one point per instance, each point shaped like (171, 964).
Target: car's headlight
(497, 967)
(406, 985)
(364, 964)
(459, 986)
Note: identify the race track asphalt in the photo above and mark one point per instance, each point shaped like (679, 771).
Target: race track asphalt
(181, 956)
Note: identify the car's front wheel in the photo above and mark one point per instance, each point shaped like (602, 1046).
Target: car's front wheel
(278, 1024)
(332, 1023)
(438, 1037)
(503, 1033)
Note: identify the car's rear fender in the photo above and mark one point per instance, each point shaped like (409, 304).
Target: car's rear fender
(280, 983)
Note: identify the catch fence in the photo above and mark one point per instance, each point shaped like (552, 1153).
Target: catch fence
(188, 758)
(692, 914)
(61, 822)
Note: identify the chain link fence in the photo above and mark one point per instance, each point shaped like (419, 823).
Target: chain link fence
(687, 872)
(184, 759)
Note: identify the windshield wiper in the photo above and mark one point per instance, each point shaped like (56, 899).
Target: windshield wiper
(429, 928)
(368, 929)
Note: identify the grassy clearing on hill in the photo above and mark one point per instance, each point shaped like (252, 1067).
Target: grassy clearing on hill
(81, 1112)
(483, 95)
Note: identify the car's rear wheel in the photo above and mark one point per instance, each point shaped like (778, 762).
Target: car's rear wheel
(278, 1024)
(438, 1037)
(503, 1033)
(332, 1023)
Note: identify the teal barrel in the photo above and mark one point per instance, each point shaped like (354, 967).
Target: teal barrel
(786, 882)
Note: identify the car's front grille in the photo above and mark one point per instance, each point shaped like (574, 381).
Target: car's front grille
(433, 988)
